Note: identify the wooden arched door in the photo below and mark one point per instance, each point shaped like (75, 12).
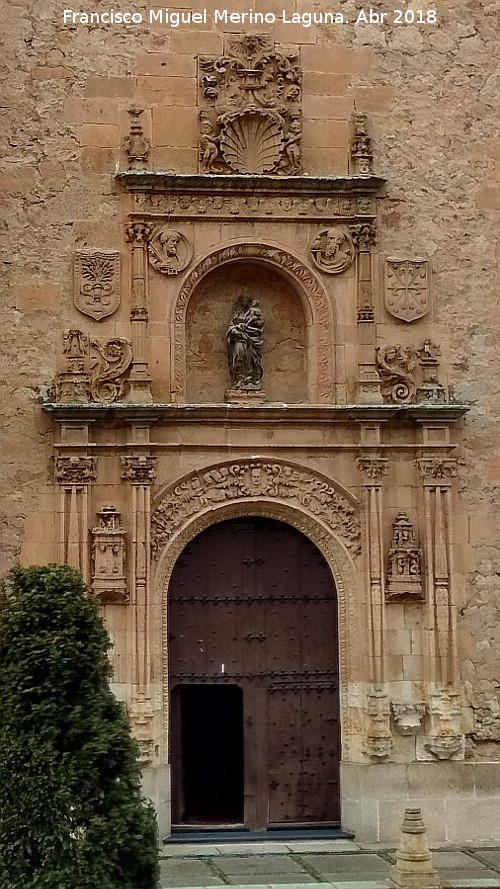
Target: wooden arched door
(253, 679)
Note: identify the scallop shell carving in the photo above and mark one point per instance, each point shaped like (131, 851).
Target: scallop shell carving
(252, 142)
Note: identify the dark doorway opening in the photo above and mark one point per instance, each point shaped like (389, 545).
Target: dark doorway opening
(211, 719)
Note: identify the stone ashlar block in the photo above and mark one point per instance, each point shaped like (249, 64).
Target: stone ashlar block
(371, 100)
(326, 84)
(175, 126)
(337, 59)
(99, 135)
(326, 134)
(161, 64)
(327, 107)
(325, 161)
(38, 296)
(193, 42)
(110, 87)
(167, 90)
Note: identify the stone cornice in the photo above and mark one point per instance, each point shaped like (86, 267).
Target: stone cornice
(212, 184)
(272, 412)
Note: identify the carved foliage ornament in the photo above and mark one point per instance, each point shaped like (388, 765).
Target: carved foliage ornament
(250, 120)
(139, 470)
(246, 480)
(333, 250)
(94, 370)
(169, 251)
(75, 470)
(96, 283)
(407, 288)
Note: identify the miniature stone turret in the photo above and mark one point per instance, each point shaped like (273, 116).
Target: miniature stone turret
(413, 868)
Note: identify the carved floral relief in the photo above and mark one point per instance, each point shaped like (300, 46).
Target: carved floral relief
(96, 290)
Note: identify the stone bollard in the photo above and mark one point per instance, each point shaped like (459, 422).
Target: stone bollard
(413, 868)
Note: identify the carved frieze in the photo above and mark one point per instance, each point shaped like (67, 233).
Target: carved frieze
(333, 250)
(404, 578)
(407, 717)
(258, 206)
(108, 558)
(139, 470)
(136, 144)
(250, 117)
(75, 470)
(407, 288)
(250, 479)
(396, 366)
(169, 251)
(96, 289)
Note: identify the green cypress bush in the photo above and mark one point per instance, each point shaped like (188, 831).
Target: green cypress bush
(71, 810)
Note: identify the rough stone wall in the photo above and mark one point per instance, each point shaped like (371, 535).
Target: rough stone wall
(432, 94)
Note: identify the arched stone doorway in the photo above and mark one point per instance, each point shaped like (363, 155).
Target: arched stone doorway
(253, 678)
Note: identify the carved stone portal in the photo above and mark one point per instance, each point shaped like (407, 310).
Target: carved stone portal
(404, 579)
(97, 283)
(407, 288)
(250, 120)
(333, 250)
(108, 558)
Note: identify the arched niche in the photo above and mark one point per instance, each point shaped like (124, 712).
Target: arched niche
(299, 333)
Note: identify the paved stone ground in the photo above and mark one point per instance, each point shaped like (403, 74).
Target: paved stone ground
(335, 864)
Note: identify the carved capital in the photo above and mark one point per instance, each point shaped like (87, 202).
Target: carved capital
(364, 236)
(139, 470)
(75, 470)
(437, 471)
(138, 234)
(373, 469)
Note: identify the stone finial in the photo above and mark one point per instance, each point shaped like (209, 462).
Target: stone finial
(413, 868)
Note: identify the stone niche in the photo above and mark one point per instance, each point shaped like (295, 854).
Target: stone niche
(209, 312)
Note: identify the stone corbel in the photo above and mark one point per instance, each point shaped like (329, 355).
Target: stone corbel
(138, 234)
(445, 739)
(141, 720)
(378, 743)
(74, 474)
(407, 717)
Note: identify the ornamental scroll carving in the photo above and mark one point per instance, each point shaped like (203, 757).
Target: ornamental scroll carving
(250, 118)
(256, 478)
(304, 280)
(95, 370)
(96, 290)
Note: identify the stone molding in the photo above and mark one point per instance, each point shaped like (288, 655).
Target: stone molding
(317, 309)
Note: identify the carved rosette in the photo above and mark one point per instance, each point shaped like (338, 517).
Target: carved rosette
(139, 470)
(407, 288)
(333, 250)
(75, 470)
(108, 558)
(169, 251)
(404, 578)
(96, 289)
(247, 480)
(250, 119)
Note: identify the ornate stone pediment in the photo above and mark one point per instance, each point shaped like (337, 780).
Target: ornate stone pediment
(250, 119)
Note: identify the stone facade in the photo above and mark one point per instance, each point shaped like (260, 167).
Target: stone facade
(358, 200)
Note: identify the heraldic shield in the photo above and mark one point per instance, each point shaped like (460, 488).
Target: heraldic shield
(407, 288)
(96, 286)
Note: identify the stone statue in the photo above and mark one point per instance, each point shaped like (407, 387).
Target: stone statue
(244, 344)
